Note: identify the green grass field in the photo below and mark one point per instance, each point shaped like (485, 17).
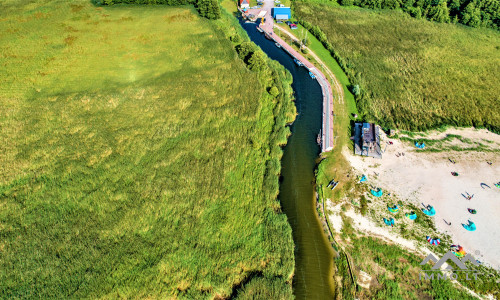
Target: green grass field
(415, 74)
(138, 157)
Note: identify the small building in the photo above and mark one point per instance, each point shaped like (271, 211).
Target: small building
(367, 140)
(282, 13)
(244, 3)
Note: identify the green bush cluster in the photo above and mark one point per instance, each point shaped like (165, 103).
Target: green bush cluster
(474, 13)
(209, 9)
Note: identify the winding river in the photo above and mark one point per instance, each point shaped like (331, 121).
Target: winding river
(313, 255)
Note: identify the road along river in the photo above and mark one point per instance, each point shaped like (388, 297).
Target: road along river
(313, 256)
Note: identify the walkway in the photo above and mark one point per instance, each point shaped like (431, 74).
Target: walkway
(327, 127)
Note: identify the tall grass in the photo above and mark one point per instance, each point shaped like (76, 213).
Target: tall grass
(414, 74)
(140, 157)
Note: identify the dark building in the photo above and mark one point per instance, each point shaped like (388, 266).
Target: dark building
(367, 140)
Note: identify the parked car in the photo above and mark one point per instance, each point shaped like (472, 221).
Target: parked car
(279, 22)
(288, 23)
(281, 5)
(293, 26)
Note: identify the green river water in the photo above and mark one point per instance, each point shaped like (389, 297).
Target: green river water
(313, 255)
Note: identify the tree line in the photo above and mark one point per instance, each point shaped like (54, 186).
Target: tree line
(474, 13)
(209, 9)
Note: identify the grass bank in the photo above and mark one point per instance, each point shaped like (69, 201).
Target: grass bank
(413, 74)
(128, 170)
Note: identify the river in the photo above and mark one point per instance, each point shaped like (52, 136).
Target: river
(313, 255)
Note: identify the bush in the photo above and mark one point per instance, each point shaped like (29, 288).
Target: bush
(208, 8)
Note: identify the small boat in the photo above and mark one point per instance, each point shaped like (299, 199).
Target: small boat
(278, 45)
(331, 183)
(334, 185)
(298, 62)
(259, 29)
(312, 75)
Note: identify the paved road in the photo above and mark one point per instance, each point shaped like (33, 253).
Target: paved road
(327, 127)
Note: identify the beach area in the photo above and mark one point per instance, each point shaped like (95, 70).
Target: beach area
(425, 178)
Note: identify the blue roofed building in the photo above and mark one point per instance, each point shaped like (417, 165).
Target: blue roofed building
(282, 13)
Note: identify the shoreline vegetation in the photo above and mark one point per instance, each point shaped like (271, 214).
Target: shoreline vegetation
(120, 182)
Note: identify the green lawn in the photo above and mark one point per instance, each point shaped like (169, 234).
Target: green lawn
(138, 157)
(414, 74)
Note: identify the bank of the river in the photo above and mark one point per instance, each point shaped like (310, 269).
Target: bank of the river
(314, 256)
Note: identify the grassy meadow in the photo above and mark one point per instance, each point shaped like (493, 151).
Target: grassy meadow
(414, 74)
(138, 157)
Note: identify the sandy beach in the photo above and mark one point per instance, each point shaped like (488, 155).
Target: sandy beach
(425, 177)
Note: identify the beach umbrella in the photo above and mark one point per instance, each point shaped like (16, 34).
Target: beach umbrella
(393, 209)
(430, 211)
(470, 226)
(377, 193)
(411, 216)
(389, 222)
(458, 250)
(433, 241)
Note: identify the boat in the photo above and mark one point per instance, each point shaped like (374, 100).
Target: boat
(312, 75)
(298, 62)
(334, 185)
(278, 45)
(318, 139)
(259, 29)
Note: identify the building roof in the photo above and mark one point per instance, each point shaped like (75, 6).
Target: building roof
(282, 11)
(244, 2)
(368, 133)
(281, 17)
(367, 140)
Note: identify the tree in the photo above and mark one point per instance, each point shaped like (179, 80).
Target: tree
(471, 15)
(454, 7)
(416, 12)
(257, 61)
(306, 42)
(440, 12)
(356, 90)
(274, 91)
(245, 50)
(346, 2)
(209, 9)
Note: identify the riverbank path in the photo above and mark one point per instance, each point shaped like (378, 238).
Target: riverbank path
(328, 115)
